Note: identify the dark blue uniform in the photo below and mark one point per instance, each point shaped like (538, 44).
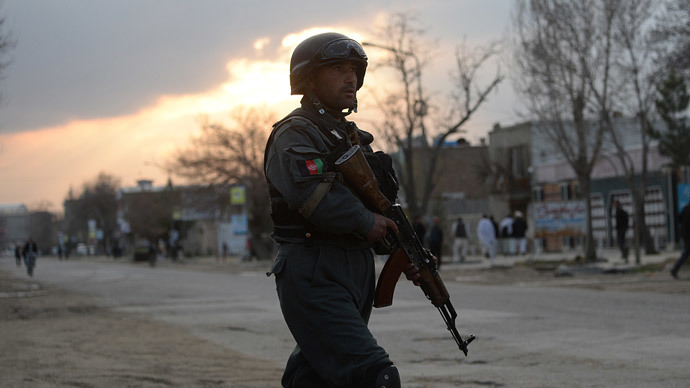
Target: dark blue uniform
(324, 269)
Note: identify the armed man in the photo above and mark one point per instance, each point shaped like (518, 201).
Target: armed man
(324, 270)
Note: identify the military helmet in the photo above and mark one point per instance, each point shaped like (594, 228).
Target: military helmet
(322, 49)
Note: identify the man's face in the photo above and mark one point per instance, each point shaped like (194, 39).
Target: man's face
(335, 84)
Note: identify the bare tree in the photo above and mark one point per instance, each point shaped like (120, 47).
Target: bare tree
(97, 201)
(7, 43)
(408, 109)
(223, 155)
(562, 55)
(635, 81)
(671, 37)
(149, 213)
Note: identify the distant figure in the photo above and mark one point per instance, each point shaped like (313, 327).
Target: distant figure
(436, 240)
(18, 255)
(487, 235)
(507, 241)
(621, 229)
(519, 232)
(59, 251)
(30, 252)
(225, 251)
(684, 220)
(459, 241)
(419, 229)
(497, 232)
(251, 250)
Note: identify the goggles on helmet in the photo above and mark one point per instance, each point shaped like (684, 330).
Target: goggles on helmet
(341, 49)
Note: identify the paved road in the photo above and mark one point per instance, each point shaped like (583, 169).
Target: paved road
(527, 336)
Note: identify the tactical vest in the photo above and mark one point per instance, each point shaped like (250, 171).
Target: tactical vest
(286, 219)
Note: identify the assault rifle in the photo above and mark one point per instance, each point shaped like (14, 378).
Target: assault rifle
(405, 245)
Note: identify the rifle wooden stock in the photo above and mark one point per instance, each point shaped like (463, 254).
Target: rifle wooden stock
(357, 173)
(431, 284)
(385, 287)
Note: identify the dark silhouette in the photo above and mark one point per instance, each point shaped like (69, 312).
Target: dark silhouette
(519, 232)
(30, 252)
(419, 229)
(18, 255)
(622, 220)
(436, 240)
(684, 220)
(460, 241)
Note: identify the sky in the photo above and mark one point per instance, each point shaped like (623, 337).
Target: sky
(119, 86)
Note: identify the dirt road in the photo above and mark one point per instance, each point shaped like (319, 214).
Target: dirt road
(54, 338)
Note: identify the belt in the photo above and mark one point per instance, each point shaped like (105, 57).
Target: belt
(308, 234)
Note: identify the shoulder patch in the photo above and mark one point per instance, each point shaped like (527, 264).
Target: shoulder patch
(310, 167)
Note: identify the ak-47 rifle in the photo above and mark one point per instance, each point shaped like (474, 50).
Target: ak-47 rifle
(405, 245)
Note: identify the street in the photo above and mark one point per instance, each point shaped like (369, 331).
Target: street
(526, 336)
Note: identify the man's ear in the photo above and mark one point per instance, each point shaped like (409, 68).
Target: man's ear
(311, 84)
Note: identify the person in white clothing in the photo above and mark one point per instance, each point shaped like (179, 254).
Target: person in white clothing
(487, 235)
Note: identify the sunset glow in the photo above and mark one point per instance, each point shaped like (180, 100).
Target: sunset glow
(137, 145)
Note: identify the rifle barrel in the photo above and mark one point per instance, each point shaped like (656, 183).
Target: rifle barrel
(448, 313)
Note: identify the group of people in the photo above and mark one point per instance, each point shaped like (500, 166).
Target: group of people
(510, 235)
(29, 252)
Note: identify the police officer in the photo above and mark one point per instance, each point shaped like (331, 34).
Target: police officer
(324, 269)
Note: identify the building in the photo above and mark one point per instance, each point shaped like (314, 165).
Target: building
(510, 159)
(461, 189)
(558, 203)
(15, 222)
(199, 219)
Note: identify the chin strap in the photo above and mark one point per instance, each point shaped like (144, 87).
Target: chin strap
(353, 108)
(322, 109)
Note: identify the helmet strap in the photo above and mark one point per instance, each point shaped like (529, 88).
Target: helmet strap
(353, 108)
(317, 103)
(322, 108)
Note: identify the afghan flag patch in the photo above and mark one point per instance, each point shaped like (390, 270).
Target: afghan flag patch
(310, 167)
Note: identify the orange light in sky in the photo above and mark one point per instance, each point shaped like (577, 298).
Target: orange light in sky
(43, 164)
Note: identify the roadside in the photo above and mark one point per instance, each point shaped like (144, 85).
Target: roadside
(564, 269)
(53, 338)
(546, 270)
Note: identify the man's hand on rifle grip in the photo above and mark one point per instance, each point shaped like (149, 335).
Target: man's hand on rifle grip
(380, 228)
(412, 271)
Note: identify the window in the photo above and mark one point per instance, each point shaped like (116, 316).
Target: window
(566, 191)
(538, 193)
(518, 161)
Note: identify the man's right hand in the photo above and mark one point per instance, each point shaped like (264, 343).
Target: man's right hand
(380, 228)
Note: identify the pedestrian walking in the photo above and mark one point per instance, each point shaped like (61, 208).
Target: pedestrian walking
(324, 270)
(506, 229)
(459, 240)
(622, 220)
(487, 235)
(419, 229)
(18, 254)
(30, 252)
(684, 220)
(519, 232)
(436, 240)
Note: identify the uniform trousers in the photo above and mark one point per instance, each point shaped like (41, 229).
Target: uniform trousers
(326, 295)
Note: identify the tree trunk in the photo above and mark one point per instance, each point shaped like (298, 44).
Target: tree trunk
(590, 243)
